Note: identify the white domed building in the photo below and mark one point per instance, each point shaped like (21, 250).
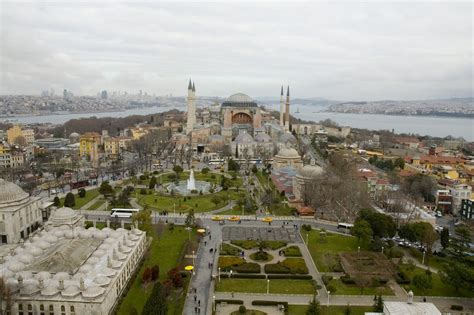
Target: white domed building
(287, 156)
(20, 214)
(240, 113)
(304, 176)
(65, 216)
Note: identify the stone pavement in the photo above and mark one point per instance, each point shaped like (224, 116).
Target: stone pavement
(238, 232)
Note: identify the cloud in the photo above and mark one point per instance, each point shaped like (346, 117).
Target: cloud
(346, 51)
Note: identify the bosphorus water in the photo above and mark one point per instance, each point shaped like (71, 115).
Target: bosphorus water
(422, 125)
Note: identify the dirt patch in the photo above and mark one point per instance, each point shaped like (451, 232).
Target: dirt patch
(367, 264)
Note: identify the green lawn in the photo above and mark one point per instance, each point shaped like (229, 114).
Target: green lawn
(340, 288)
(324, 251)
(90, 194)
(165, 252)
(438, 287)
(332, 310)
(96, 205)
(198, 203)
(277, 286)
(214, 178)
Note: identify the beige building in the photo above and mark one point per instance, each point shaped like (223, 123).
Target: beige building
(287, 157)
(304, 176)
(15, 135)
(240, 114)
(71, 270)
(20, 214)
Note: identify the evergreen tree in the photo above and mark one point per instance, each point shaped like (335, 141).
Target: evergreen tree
(152, 183)
(314, 308)
(378, 306)
(57, 202)
(69, 201)
(156, 303)
(444, 238)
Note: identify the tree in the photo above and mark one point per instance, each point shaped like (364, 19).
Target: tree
(189, 218)
(56, 202)
(422, 282)
(155, 272)
(152, 183)
(146, 277)
(143, 218)
(105, 189)
(233, 166)
(382, 225)
(216, 199)
(378, 306)
(313, 308)
(205, 170)
(175, 277)
(254, 169)
(362, 230)
(69, 201)
(156, 303)
(400, 163)
(444, 238)
(458, 275)
(81, 193)
(177, 169)
(460, 243)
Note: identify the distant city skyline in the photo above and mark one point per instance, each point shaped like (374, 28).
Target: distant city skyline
(342, 51)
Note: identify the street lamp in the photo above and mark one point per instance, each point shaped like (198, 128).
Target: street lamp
(219, 274)
(268, 286)
(230, 274)
(382, 249)
(307, 239)
(358, 249)
(193, 263)
(423, 260)
(329, 293)
(214, 303)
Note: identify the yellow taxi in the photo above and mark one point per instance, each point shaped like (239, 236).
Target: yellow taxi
(216, 218)
(267, 219)
(234, 218)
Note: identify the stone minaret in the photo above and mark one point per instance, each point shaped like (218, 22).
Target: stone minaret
(191, 119)
(287, 110)
(282, 108)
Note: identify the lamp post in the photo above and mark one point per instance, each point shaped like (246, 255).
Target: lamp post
(230, 274)
(329, 293)
(382, 249)
(214, 303)
(219, 274)
(423, 260)
(268, 286)
(193, 258)
(307, 239)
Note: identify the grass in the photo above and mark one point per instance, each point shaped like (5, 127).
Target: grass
(96, 205)
(277, 286)
(439, 288)
(79, 202)
(229, 262)
(198, 203)
(324, 249)
(331, 310)
(229, 250)
(337, 287)
(249, 312)
(261, 256)
(289, 265)
(165, 252)
(249, 244)
(292, 251)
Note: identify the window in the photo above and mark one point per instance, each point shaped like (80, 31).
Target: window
(63, 310)
(51, 310)
(73, 311)
(30, 309)
(42, 309)
(20, 309)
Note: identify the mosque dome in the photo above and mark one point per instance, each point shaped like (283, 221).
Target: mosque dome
(74, 135)
(288, 153)
(239, 100)
(62, 216)
(263, 137)
(243, 138)
(310, 171)
(11, 193)
(287, 137)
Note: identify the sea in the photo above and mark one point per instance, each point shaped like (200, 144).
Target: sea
(421, 125)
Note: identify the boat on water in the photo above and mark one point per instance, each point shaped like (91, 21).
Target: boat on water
(298, 110)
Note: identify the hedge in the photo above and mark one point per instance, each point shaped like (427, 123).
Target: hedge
(271, 303)
(296, 277)
(326, 279)
(347, 280)
(457, 307)
(227, 263)
(244, 276)
(292, 251)
(248, 268)
(238, 302)
(276, 268)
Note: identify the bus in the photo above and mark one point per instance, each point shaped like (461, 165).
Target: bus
(346, 226)
(122, 213)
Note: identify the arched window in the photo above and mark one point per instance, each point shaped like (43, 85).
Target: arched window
(20, 309)
(30, 309)
(42, 309)
(72, 309)
(51, 310)
(63, 310)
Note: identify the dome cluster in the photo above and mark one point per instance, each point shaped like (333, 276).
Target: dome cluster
(11, 194)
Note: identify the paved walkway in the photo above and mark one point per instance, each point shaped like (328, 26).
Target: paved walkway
(91, 203)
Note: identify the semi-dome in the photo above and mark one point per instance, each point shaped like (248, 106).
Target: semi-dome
(239, 100)
(288, 153)
(243, 138)
(310, 171)
(11, 193)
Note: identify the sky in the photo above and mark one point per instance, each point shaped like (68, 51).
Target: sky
(340, 50)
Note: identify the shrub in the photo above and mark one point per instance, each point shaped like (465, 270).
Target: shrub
(270, 303)
(205, 170)
(242, 309)
(88, 225)
(245, 244)
(229, 250)
(248, 268)
(292, 251)
(346, 279)
(395, 252)
(143, 191)
(57, 202)
(155, 272)
(146, 276)
(295, 277)
(402, 278)
(229, 262)
(172, 177)
(326, 279)
(457, 307)
(295, 265)
(244, 276)
(143, 177)
(81, 193)
(275, 268)
(69, 201)
(273, 244)
(261, 256)
(175, 277)
(306, 227)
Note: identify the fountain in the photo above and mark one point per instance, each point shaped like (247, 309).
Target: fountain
(191, 182)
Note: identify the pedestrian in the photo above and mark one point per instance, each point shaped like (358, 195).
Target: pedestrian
(205, 243)
(232, 294)
(209, 236)
(195, 298)
(199, 302)
(195, 309)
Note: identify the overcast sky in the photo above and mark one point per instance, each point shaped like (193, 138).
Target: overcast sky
(343, 51)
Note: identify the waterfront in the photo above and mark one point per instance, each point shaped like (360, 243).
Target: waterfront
(422, 125)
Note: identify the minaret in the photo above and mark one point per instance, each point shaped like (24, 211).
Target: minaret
(282, 108)
(191, 119)
(287, 110)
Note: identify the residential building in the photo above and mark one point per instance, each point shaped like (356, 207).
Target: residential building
(17, 159)
(112, 148)
(467, 208)
(52, 143)
(444, 201)
(15, 135)
(459, 192)
(89, 146)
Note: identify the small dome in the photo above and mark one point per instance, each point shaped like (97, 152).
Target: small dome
(61, 276)
(50, 239)
(243, 138)
(288, 153)
(239, 100)
(43, 244)
(263, 138)
(25, 258)
(17, 266)
(310, 171)
(287, 137)
(74, 135)
(102, 281)
(11, 193)
(35, 251)
(93, 292)
(43, 275)
(63, 214)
